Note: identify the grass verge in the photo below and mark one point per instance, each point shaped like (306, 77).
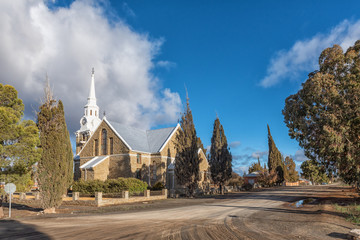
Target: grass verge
(351, 212)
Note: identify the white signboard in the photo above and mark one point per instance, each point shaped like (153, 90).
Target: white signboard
(10, 188)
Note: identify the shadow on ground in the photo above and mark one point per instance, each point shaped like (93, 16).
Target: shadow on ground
(19, 206)
(12, 229)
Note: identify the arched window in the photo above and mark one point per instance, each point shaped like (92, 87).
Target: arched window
(103, 142)
(154, 170)
(138, 158)
(111, 145)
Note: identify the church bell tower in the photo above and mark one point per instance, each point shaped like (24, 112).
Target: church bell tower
(90, 120)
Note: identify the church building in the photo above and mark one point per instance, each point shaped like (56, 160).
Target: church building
(106, 149)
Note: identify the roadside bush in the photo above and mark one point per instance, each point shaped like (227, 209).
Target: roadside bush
(23, 182)
(115, 185)
(135, 185)
(89, 187)
(110, 186)
(157, 186)
(247, 186)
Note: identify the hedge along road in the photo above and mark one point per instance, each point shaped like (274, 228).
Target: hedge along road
(255, 215)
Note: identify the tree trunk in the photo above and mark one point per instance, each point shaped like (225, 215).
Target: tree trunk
(50, 210)
(221, 189)
(1, 210)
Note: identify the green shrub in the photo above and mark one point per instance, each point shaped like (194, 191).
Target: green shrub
(135, 185)
(89, 187)
(157, 186)
(109, 186)
(115, 185)
(247, 186)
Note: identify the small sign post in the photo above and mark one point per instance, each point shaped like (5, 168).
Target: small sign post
(10, 188)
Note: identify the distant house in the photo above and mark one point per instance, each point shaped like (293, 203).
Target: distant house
(290, 184)
(252, 178)
(303, 181)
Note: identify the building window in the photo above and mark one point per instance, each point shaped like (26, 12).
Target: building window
(138, 158)
(95, 114)
(96, 147)
(138, 173)
(111, 145)
(90, 112)
(103, 142)
(154, 170)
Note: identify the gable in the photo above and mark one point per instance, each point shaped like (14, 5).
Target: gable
(119, 146)
(204, 164)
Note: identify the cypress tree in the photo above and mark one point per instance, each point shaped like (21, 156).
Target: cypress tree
(220, 157)
(55, 166)
(275, 162)
(256, 167)
(187, 162)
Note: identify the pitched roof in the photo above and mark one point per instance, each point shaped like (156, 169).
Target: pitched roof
(150, 141)
(93, 162)
(253, 174)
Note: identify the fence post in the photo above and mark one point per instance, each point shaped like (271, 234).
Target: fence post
(37, 196)
(22, 196)
(75, 196)
(98, 198)
(147, 193)
(164, 192)
(125, 194)
(172, 193)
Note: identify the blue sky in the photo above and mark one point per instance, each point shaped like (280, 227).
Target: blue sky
(238, 59)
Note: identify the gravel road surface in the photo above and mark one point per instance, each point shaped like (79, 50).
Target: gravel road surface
(264, 215)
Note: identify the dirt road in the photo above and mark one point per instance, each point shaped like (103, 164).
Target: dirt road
(256, 215)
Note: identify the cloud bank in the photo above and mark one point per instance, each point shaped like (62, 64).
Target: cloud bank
(300, 156)
(303, 55)
(65, 43)
(234, 144)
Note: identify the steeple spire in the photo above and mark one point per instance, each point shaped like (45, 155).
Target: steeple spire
(92, 99)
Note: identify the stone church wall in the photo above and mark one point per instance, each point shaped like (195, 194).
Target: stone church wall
(101, 171)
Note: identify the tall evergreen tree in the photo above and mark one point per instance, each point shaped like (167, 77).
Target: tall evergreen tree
(256, 167)
(290, 173)
(55, 166)
(323, 116)
(19, 140)
(275, 162)
(187, 163)
(220, 159)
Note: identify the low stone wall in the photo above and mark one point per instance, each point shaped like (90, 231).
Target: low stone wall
(99, 201)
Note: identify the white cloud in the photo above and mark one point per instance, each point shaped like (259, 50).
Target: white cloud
(165, 64)
(128, 10)
(303, 55)
(208, 148)
(241, 170)
(259, 154)
(66, 43)
(300, 156)
(234, 144)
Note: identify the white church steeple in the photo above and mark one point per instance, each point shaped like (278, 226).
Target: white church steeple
(92, 98)
(90, 120)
